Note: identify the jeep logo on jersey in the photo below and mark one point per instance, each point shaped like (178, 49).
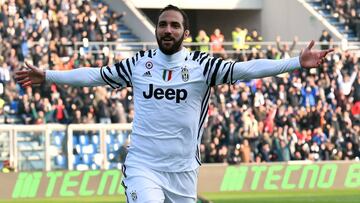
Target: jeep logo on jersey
(169, 94)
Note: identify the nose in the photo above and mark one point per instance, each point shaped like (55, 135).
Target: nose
(168, 29)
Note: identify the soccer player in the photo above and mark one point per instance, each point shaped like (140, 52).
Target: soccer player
(171, 89)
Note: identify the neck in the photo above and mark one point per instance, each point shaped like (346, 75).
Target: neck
(177, 57)
(173, 56)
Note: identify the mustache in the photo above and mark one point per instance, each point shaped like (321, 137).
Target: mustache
(167, 37)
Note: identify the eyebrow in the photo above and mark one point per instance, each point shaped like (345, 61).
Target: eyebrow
(172, 22)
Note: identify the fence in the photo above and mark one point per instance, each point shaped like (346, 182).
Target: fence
(128, 48)
(65, 147)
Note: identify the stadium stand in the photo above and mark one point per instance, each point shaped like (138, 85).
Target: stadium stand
(344, 15)
(307, 115)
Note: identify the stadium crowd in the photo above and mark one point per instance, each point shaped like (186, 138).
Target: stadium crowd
(347, 12)
(304, 115)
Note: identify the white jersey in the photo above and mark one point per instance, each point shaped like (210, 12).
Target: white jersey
(171, 96)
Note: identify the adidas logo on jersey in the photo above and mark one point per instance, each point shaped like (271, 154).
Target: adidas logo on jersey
(147, 74)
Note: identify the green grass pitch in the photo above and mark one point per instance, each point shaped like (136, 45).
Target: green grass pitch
(315, 196)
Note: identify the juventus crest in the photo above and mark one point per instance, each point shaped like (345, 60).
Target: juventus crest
(185, 74)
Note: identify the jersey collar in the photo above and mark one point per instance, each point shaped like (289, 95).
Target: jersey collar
(173, 60)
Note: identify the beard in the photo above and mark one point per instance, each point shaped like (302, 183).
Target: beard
(173, 48)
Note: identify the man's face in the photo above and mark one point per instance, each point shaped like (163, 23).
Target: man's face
(170, 32)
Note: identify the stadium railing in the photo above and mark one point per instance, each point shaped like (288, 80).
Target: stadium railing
(128, 48)
(64, 147)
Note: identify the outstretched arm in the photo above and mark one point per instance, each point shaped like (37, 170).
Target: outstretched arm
(263, 68)
(218, 71)
(116, 76)
(89, 77)
(76, 77)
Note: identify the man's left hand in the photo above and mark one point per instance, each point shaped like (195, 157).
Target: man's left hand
(312, 58)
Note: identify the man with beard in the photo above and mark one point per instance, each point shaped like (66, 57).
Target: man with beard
(171, 91)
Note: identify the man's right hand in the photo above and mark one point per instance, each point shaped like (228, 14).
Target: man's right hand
(31, 76)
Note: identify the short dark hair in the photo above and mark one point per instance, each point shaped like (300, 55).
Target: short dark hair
(175, 8)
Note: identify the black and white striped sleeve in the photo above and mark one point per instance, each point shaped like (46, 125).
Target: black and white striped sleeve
(119, 75)
(217, 71)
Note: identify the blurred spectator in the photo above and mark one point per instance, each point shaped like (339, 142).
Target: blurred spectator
(217, 47)
(24, 109)
(325, 40)
(238, 39)
(254, 37)
(308, 96)
(189, 39)
(112, 34)
(60, 113)
(353, 20)
(4, 73)
(345, 82)
(245, 152)
(36, 57)
(115, 17)
(265, 152)
(349, 152)
(271, 52)
(103, 111)
(319, 137)
(77, 118)
(202, 37)
(284, 50)
(6, 167)
(356, 91)
(250, 126)
(284, 154)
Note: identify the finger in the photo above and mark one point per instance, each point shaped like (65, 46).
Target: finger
(27, 84)
(310, 45)
(25, 80)
(23, 68)
(18, 68)
(22, 72)
(329, 50)
(20, 77)
(28, 65)
(325, 52)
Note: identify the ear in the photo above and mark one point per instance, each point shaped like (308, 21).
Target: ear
(186, 34)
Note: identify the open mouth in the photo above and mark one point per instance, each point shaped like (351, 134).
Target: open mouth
(167, 39)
